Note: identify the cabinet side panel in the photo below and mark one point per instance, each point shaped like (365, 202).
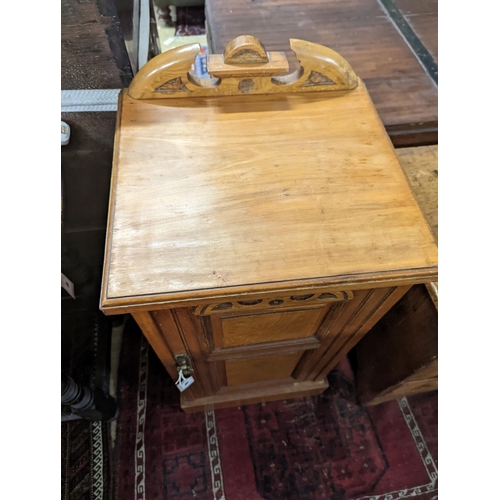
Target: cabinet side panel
(344, 327)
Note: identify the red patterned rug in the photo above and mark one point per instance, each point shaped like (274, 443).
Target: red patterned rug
(320, 447)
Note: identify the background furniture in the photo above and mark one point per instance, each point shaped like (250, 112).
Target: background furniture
(164, 8)
(399, 356)
(257, 238)
(376, 42)
(84, 402)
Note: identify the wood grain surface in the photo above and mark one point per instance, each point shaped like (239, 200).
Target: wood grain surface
(344, 326)
(422, 16)
(218, 194)
(251, 371)
(241, 330)
(403, 93)
(258, 393)
(421, 167)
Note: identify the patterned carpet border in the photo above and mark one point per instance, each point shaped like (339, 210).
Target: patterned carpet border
(427, 490)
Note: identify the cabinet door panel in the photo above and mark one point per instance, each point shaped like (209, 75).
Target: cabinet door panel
(250, 371)
(268, 327)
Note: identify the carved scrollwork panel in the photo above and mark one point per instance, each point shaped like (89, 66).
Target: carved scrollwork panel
(274, 303)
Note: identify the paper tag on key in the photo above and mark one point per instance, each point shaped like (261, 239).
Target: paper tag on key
(182, 382)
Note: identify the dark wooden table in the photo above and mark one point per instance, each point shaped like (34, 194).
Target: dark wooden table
(391, 45)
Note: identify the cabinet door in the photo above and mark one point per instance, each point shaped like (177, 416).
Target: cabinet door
(267, 348)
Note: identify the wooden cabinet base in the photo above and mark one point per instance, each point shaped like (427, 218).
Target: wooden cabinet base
(262, 348)
(259, 225)
(262, 393)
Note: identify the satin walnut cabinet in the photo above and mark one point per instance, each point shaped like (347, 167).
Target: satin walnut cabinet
(259, 221)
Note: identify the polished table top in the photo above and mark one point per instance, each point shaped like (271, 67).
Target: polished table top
(215, 196)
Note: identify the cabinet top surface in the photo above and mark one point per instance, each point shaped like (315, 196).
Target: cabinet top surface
(223, 195)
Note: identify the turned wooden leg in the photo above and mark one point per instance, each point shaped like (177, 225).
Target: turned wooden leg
(89, 404)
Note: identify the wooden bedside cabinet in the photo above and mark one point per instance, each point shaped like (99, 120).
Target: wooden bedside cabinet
(259, 224)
